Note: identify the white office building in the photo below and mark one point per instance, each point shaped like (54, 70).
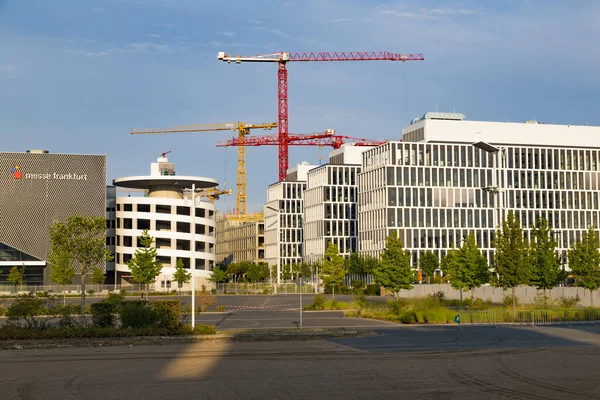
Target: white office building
(283, 213)
(331, 204)
(182, 230)
(437, 186)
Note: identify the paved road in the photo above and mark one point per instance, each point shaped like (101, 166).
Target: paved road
(265, 319)
(413, 362)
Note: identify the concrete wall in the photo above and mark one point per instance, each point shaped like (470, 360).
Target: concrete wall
(525, 294)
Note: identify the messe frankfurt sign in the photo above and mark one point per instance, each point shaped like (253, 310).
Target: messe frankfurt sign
(18, 173)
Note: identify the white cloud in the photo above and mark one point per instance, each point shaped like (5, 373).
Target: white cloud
(98, 10)
(6, 69)
(87, 53)
(226, 33)
(342, 20)
(277, 32)
(255, 21)
(448, 11)
(154, 35)
(147, 47)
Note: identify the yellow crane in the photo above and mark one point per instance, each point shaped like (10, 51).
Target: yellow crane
(243, 129)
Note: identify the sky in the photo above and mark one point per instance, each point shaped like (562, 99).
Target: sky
(77, 75)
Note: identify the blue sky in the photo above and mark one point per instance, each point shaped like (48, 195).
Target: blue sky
(76, 75)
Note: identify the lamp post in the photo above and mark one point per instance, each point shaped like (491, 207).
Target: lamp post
(193, 256)
(301, 276)
(498, 182)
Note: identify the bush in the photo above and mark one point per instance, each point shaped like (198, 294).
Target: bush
(398, 306)
(542, 302)
(408, 317)
(266, 291)
(372, 290)
(20, 333)
(319, 302)
(479, 304)
(91, 292)
(214, 291)
(568, 302)
(205, 330)
(136, 314)
(220, 308)
(167, 313)
(439, 296)
(29, 307)
(204, 300)
(102, 315)
(2, 311)
(508, 301)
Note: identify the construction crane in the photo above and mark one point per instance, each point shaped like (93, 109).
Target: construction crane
(212, 194)
(327, 138)
(243, 129)
(282, 58)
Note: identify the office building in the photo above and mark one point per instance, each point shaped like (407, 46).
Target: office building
(240, 238)
(38, 188)
(283, 213)
(331, 204)
(181, 229)
(437, 186)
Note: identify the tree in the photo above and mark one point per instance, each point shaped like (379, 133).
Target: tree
(429, 262)
(467, 268)
(82, 239)
(511, 258)
(143, 265)
(15, 276)
(584, 261)
(219, 274)
(546, 270)
(180, 275)
(257, 272)
(333, 269)
(98, 275)
(62, 270)
(394, 271)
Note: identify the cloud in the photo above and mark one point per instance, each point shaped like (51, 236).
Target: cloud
(342, 20)
(98, 10)
(424, 13)
(277, 32)
(255, 21)
(87, 53)
(229, 34)
(7, 69)
(147, 47)
(448, 11)
(154, 35)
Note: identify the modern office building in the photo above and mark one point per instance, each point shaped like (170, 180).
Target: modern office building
(38, 188)
(331, 204)
(240, 238)
(437, 186)
(283, 219)
(182, 230)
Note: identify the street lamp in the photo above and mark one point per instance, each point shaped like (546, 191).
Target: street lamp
(497, 187)
(193, 257)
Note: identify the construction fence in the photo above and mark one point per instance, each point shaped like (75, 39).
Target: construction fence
(531, 317)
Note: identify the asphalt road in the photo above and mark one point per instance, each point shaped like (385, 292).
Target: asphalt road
(413, 362)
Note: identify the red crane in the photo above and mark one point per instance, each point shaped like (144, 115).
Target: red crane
(327, 138)
(282, 58)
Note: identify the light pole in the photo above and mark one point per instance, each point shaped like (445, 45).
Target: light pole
(301, 275)
(497, 186)
(193, 257)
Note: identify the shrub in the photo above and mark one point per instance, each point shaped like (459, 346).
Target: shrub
(220, 308)
(136, 314)
(319, 302)
(372, 290)
(213, 291)
(568, 302)
(205, 330)
(440, 296)
(204, 299)
(438, 316)
(542, 302)
(91, 292)
(29, 307)
(102, 314)
(167, 313)
(266, 291)
(479, 304)
(408, 317)
(2, 311)
(508, 301)
(398, 306)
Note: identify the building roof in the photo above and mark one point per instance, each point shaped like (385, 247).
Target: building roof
(175, 182)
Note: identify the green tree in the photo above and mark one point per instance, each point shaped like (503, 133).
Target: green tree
(219, 274)
(82, 239)
(98, 275)
(394, 271)
(511, 258)
(448, 262)
(584, 261)
(15, 276)
(180, 275)
(429, 262)
(258, 272)
(468, 268)
(62, 270)
(143, 265)
(333, 269)
(355, 264)
(546, 269)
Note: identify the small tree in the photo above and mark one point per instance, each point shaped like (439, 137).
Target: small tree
(180, 275)
(429, 263)
(394, 271)
(82, 239)
(511, 258)
(62, 270)
(218, 275)
(15, 276)
(546, 271)
(584, 261)
(143, 265)
(98, 275)
(468, 268)
(333, 269)
(257, 272)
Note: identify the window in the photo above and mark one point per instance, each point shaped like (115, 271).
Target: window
(143, 207)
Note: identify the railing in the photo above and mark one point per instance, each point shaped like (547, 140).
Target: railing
(531, 317)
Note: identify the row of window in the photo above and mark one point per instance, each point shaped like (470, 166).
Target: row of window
(340, 193)
(168, 261)
(164, 226)
(165, 209)
(165, 243)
